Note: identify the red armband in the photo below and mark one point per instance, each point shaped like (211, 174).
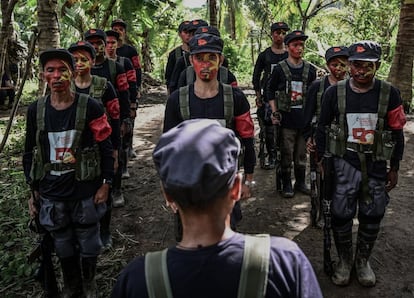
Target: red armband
(113, 109)
(122, 82)
(396, 118)
(234, 84)
(100, 128)
(135, 62)
(131, 75)
(244, 125)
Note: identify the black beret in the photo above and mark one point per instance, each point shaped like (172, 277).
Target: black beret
(206, 43)
(184, 26)
(279, 26)
(194, 24)
(199, 157)
(333, 52)
(62, 54)
(83, 45)
(365, 50)
(296, 34)
(95, 33)
(208, 30)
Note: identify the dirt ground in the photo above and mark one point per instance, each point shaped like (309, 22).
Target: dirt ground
(145, 224)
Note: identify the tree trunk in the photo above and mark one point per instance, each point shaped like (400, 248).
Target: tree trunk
(401, 72)
(232, 19)
(6, 32)
(48, 25)
(145, 52)
(212, 4)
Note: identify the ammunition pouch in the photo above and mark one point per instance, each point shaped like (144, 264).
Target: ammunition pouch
(384, 145)
(336, 139)
(283, 101)
(37, 171)
(88, 164)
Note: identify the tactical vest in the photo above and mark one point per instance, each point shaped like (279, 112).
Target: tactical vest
(253, 274)
(383, 145)
(184, 100)
(284, 97)
(190, 74)
(88, 161)
(98, 87)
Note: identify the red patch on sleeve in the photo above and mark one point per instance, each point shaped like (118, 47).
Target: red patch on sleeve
(244, 125)
(112, 108)
(100, 128)
(131, 75)
(396, 118)
(234, 84)
(136, 62)
(122, 82)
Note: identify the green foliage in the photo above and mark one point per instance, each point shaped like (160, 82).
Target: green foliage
(14, 239)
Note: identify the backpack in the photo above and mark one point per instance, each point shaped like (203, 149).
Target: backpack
(190, 74)
(253, 275)
(184, 100)
(98, 87)
(284, 97)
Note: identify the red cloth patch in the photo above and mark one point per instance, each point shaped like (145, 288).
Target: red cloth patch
(244, 125)
(396, 118)
(234, 84)
(131, 75)
(100, 128)
(112, 108)
(122, 82)
(135, 62)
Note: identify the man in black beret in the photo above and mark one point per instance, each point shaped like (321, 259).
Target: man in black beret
(197, 162)
(68, 164)
(286, 91)
(263, 68)
(365, 118)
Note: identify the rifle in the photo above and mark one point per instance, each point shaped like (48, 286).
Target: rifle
(314, 182)
(327, 189)
(42, 253)
(278, 160)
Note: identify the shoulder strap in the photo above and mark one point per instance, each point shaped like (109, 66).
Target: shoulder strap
(224, 74)
(156, 275)
(255, 267)
(189, 74)
(305, 76)
(184, 100)
(228, 104)
(112, 71)
(319, 96)
(385, 91)
(40, 122)
(178, 53)
(80, 118)
(286, 71)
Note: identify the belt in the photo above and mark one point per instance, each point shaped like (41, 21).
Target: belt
(361, 148)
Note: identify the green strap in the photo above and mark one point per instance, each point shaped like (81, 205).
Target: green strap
(228, 104)
(184, 102)
(80, 118)
(385, 90)
(341, 94)
(288, 76)
(255, 268)
(98, 87)
(178, 53)
(224, 74)
(156, 275)
(189, 74)
(305, 76)
(112, 71)
(319, 97)
(40, 122)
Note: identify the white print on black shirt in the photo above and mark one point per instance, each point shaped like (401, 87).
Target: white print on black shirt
(60, 149)
(297, 93)
(361, 127)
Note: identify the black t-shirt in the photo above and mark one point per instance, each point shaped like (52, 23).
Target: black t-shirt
(131, 53)
(214, 271)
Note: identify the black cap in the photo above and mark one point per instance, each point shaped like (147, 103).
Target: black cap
(206, 43)
(83, 45)
(208, 30)
(279, 26)
(112, 33)
(333, 52)
(95, 33)
(119, 22)
(62, 54)
(198, 157)
(194, 24)
(296, 34)
(184, 26)
(365, 50)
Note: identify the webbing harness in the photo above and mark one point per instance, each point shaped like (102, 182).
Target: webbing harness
(361, 149)
(190, 74)
(184, 101)
(98, 87)
(40, 121)
(319, 96)
(253, 275)
(285, 99)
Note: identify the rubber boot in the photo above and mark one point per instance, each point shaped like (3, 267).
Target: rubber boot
(88, 273)
(300, 184)
(270, 147)
(72, 281)
(365, 243)
(287, 190)
(105, 231)
(342, 272)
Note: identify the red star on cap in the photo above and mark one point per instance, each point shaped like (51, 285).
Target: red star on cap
(360, 49)
(297, 33)
(81, 43)
(92, 31)
(202, 42)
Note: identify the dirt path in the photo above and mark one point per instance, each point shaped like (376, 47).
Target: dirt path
(145, 224)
